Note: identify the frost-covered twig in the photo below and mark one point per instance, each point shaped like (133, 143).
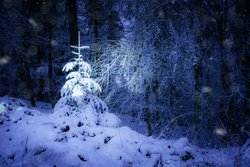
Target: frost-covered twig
(162, 132)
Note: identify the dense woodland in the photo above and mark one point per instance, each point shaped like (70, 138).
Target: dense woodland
(181, 66)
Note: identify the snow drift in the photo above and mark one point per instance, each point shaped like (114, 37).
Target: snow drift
(88, 135)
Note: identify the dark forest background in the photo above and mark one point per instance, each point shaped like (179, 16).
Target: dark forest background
(181, 66)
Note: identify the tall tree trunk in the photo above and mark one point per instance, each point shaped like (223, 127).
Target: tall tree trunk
(95, 17)
(94, 7)
(157, 110)
(73, 24)
(147, 116)
(226, 76)
(198, 69)
(30, 84)
(226, 79)
(50, 67)
(197, 96)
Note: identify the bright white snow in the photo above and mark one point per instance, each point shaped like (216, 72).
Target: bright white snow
(88, 135)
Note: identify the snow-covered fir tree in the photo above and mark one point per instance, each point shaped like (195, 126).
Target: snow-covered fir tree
(79, 101)
(78, 81)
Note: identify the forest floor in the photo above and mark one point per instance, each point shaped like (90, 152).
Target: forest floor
(37, 137)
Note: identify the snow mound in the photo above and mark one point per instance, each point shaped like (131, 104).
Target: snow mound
(90, 110)
(8, 104)
(65, 138)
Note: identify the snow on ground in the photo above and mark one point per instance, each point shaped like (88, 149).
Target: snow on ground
(33, 138)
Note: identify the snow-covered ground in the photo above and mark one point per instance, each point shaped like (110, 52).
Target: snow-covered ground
(35, 137)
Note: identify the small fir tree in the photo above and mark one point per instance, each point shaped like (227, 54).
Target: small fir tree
(78, 81)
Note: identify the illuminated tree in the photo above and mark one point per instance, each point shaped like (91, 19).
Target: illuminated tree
(78, 81)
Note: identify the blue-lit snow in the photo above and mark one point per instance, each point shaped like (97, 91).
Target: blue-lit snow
(30, 137)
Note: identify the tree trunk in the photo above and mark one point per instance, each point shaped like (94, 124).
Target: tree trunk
(226, 76)
(157, 110)
(198, 68)
(73, 25)
(30, 85)
(95, 16)
(197, 95)
(147, 116)
(50, 68)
